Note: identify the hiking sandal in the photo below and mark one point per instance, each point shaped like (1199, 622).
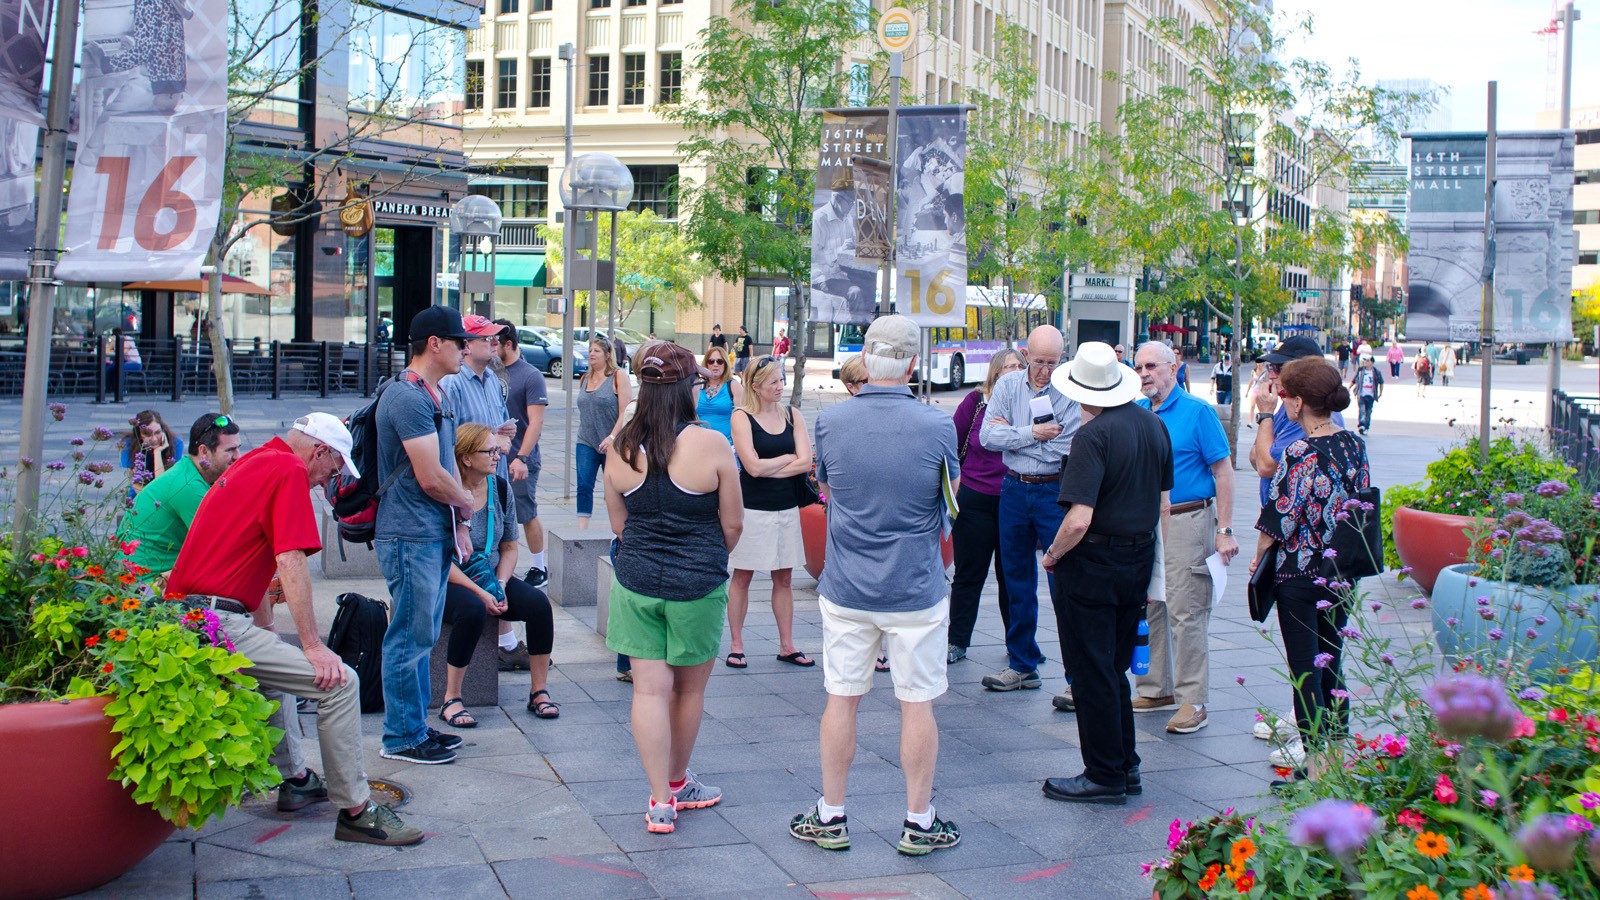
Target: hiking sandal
(543, 709)
(461, 719)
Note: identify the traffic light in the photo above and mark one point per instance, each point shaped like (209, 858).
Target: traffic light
(1355, 294)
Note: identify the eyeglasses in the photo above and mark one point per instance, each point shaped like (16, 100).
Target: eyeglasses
(716, 362)
(1150, 367)
(491, 452)
(1043, 363)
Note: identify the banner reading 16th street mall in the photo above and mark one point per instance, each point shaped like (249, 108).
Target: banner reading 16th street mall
(152, 108)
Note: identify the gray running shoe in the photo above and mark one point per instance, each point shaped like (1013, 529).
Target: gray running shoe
(1009, 679)
(376, 825)
(292, 796)
(808, 826)
(659, 819)
(918, 841)
(694, 795)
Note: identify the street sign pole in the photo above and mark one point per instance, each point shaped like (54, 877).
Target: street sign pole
(1486, 329)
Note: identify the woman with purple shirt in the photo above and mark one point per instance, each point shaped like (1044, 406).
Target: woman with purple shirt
(976, 533)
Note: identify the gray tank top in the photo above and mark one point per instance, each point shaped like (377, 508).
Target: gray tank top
(597, 412)
(672, 545)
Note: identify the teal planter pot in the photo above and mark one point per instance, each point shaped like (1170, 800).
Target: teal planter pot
(1564, 639)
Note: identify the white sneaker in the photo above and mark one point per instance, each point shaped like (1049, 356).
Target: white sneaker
(1290, 756)
(1263, 730)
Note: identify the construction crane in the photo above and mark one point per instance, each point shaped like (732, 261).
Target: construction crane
(1552, 46)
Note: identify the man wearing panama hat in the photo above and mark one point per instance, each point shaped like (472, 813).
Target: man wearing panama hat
(1115, 489)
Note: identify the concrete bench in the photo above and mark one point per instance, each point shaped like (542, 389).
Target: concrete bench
(573, 555)
(481, 687)
(345, 560)
(604, 574)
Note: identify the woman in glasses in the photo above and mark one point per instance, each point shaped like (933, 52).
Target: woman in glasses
(485, 584)
(976, 534)
(605, 394)
(774, 453)
(721, 393)
(149, 449)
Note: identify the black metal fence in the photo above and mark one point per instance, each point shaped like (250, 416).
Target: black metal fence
(1575, 435)
(179, 367)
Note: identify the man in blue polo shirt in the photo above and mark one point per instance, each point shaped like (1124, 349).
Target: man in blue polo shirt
(1201, 524)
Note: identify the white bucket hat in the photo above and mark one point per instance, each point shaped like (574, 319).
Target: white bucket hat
(1096, 378)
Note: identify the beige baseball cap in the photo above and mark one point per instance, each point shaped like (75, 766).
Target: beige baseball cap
(895, 337)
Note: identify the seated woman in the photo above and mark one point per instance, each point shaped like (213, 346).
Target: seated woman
(485, 585)
(149, 449)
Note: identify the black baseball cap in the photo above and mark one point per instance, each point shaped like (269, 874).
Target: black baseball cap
(1292, 349)
(439, 322)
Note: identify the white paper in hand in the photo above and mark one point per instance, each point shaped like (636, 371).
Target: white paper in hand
(1219, 577)
(1040, 410)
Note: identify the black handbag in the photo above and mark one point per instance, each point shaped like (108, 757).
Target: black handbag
(1357, 540)
(806, 492)
(1263, 586)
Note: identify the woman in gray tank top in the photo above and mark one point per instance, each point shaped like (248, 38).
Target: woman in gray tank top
(673, 496)
(603, 394)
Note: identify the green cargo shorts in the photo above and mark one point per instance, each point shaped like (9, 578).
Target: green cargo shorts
(682, 632)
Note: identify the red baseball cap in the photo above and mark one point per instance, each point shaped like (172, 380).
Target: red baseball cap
(478, 326)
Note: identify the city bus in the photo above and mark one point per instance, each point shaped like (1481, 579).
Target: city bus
(961, 355)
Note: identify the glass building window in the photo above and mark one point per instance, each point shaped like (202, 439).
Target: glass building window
(655, 188)
(599, 80)
(633, 2)
(270, 64)
(541, 5)
(505, 84)
(474, 95)
(405, 67)
(539, 82)
(599, 4)
(671, 79)
(529, 199)
(507, 7)
(860, 83)
(633, 79)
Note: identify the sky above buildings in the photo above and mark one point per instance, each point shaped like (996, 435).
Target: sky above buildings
(1462, 44)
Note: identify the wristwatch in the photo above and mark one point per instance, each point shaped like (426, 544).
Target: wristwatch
(1226, 531)
(1262, 417)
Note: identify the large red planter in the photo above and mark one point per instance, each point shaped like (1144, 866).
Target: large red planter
(814, 534)
(1427, 542)
(65, 827)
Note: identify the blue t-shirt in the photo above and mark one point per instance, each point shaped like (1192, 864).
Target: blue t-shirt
(883, 456)
(1198, 442)
(406, 411)
(1284, 433)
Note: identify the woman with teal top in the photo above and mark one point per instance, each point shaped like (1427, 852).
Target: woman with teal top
(722, 392)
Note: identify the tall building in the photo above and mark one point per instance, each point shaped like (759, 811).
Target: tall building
(1585, 192)
(631, 60)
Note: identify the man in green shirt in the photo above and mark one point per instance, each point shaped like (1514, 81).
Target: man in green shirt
(163, 511)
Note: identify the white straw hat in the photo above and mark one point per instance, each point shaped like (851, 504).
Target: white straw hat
(1096, 378)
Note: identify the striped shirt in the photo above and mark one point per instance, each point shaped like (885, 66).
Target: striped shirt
(478, 398)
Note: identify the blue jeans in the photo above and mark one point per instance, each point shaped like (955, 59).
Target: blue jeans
(1029, 520)
(1366, 411)
(590, 463)
(417, 572)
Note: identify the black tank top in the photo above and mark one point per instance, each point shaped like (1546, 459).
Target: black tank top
(672, 545)
(769, 494)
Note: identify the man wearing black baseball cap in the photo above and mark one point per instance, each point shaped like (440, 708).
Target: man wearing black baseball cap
(1274, 430)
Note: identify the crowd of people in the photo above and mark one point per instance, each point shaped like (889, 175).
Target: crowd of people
(1104, 472)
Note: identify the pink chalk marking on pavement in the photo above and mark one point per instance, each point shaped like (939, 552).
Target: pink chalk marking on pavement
(1142, 814)
(594, 867)
(272, 834)
(829, 895)
(1044, 873)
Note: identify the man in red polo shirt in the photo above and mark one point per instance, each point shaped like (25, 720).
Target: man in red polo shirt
(255, 521)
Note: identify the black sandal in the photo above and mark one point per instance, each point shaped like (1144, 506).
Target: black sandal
(741, 664)
(794, 659)
(543, 709)
(882, 664)
(462, 718)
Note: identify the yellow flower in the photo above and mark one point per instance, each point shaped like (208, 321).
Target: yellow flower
(1234, 870)
(1432, 845)
(1520, 873)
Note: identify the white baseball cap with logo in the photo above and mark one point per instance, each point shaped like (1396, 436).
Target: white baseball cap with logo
(329, 430)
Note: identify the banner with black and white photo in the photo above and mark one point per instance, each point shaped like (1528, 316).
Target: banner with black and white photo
(930, 217)
(24, 32)
(843, 286)
(1531, 243)
(871, 178)
(152, 101)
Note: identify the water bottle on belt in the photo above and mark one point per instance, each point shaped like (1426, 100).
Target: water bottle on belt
(1141, 648)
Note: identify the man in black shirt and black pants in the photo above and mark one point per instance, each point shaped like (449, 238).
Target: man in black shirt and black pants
(1115, 487)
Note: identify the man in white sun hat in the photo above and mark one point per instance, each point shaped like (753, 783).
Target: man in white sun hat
(1115, 489)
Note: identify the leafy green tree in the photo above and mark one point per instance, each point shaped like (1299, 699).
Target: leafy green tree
(656, 266)
(1211, 176)
(759, 74)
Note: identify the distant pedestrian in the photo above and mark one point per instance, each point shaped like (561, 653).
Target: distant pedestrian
(1122, 356)
(1447, 364)
(720, 395)
(883, 459)
(743, 349)
(976, 534)
(718, 339)
(672, 495)
(163, 512)
(780, 349)
(1343, 352)
(1183, 367)
(1396, 357)
(1367, 385)
(774, 456)
(1116, 489)
(604, 392)
(1423, 367)
(1222, 380)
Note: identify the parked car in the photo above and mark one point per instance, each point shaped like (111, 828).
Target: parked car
(541, 347)
(630, 339)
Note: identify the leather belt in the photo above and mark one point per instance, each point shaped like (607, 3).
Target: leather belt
(1117, 540)
(210, 601)
(1179, 509)
(1035, 479)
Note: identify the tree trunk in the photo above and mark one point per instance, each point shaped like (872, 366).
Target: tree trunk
(1237, 324)
(797, 342)
(221, 359)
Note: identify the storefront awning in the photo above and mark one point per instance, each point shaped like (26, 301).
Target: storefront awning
(519, 269)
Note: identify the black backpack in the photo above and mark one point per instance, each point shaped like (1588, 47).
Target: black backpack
(357, 636)
(355, 500)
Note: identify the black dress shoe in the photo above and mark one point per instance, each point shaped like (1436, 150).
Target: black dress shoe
(1079, 789)
(1135, 785)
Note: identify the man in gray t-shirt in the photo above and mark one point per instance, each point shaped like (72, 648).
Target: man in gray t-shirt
(884, 460)
(416, 535)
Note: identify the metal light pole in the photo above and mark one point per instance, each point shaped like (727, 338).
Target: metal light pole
(891, 151)
(568, 53)
(41, 272)
(476, 221)
(1486, 330)
(1569, 15)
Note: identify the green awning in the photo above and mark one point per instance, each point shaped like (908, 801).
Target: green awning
(519, 269)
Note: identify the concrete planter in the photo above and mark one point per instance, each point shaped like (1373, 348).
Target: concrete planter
(1427, 542)
(814, 534)
(1455, 596)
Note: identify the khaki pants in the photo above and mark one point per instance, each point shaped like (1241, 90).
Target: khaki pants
(1180, 652)
(283, 673)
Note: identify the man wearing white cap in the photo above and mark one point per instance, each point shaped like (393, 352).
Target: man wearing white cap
(255, 521)
(1116, 490)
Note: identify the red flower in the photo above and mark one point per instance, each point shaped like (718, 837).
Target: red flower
(95, 571)
(131, 603)
(1444, 790)
(1559, 714)
(140, 570)
(1209, 880)
(126, 578)
(194, 615)
(1245, 882)
(1593, 743)
(106, 668)
(1410, 818)
(91, 640)
(173, 595)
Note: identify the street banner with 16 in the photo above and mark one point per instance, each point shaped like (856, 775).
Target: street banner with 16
(147, 182)
(931, 222)
(24, 25)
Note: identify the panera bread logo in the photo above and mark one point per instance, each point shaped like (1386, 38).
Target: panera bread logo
(415, 210)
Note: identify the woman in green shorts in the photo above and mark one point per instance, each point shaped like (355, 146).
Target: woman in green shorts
(673, 495)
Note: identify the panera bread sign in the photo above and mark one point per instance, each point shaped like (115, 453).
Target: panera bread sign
(436, 214)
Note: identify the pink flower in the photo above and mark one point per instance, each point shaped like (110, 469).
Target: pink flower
(1590, 800)
(1525, 727)
(1410, 818)
(1488, 798)
(62, 564)
(80, 552)
(1394, 745)
(1176, 832)
(1444, 790)
(1558, 715)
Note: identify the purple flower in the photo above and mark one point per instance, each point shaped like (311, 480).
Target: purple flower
(1467, 705)
(1540, 620)
(1594, 503)
(102, 433)
(1338, 826)
(1406, 570)
(1375, 606)
(1511, 500)
(1530, 694)
(1486, 614)
(76, 442)
(1578, 824)
(1482, 601)
(1388, 658)
(1496, 634)
(1239, 678)
(55, 465)
(1319, 581)
(58, 411)
(1548, 843)
(1322, 660)
(1339, 694)
(86, 478)
(1330, 553)
(1419, 603)
(1532, 634)
(1324, 604)
(1452, 621)
(1552, 488)
(1589, 800)
(1526, 890)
